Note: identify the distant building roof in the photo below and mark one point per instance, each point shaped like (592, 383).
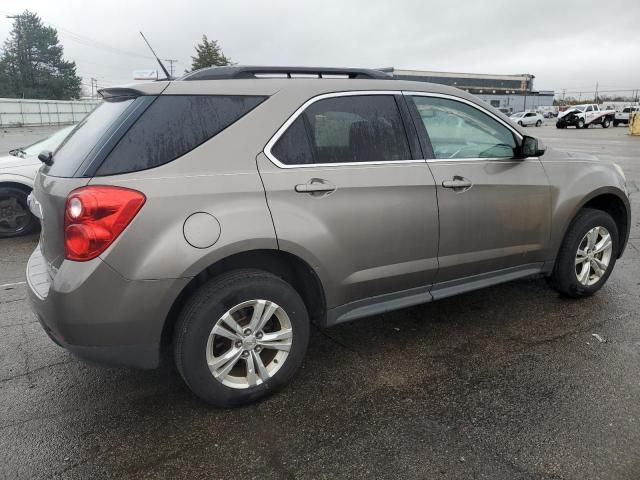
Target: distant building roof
(472, 82)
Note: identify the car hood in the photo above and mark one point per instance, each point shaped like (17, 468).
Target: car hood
(9, 162)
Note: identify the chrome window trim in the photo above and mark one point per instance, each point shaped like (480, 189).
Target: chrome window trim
(351, 93)
(468, 102)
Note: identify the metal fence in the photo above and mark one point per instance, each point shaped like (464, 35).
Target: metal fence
(18, 112)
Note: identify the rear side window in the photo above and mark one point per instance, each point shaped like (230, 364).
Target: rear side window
(75, 148)
(293, 147)
(347, 129)
(172, 126)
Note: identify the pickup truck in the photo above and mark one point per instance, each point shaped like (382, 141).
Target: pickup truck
(623, 116)
(583, 116)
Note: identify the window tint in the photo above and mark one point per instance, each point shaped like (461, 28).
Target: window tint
(293, 147)
(83, 138)
(360, 128)
(458, 130)
(172, 126)
(589, 108)
(364, 128)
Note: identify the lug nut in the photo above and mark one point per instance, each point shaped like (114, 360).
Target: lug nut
(259, 335)
(258, 349)
(238, 344)
(247, 331)
(245, 354)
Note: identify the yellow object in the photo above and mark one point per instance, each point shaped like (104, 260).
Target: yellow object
(634, 123)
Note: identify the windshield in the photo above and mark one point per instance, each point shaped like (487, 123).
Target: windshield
(49, 143)
(580, 108)
(518, 115)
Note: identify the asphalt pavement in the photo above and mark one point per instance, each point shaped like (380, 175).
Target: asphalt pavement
(510, 382)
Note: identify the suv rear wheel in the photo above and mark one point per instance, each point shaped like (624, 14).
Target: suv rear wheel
(587, 255)
(240, 337)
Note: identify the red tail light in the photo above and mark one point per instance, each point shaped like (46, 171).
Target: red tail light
(94, 216)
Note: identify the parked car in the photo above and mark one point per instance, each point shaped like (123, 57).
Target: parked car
(525, 119)
(583, 116)
(17, 172)
(623, 116)
(224, 212)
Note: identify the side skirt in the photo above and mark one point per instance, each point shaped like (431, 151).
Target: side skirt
(415, 296)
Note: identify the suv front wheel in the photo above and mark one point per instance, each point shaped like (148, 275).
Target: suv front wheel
(240, 337)
(587, 255)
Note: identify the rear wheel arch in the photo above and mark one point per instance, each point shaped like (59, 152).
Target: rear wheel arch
(291, 268)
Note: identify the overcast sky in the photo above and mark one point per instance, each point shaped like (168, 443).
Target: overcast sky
(564, 43)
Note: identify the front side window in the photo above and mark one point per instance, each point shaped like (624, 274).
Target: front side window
(589, 108)
(345, 129)
(458, 130)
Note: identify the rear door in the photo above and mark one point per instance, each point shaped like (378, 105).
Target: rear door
(348, 193)
(494, 209)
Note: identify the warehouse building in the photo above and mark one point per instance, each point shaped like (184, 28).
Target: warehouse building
(511, 93)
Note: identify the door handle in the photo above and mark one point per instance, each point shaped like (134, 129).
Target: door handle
(315, 185)
(458, 184)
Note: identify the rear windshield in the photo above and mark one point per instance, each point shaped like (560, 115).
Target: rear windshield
(68, 157)
(172, 126)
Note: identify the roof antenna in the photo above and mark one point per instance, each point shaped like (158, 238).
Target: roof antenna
(154, 54)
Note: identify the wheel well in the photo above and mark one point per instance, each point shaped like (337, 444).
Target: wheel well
(615, 207)
(289, 267)
(21, 186)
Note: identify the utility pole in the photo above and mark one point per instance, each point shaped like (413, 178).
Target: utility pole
(596, 99)
(171, 62)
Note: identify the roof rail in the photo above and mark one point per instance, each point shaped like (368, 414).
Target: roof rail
(237, 72)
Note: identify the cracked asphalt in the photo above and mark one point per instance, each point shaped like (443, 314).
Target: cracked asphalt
(503, 383)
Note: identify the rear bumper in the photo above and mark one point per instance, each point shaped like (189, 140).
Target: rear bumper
(94, 312)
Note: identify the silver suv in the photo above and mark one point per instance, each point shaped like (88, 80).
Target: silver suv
(222, 213)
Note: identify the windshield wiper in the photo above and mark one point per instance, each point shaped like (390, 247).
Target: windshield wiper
(18, 152)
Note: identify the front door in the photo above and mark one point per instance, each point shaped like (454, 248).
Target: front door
(348, 195)
(494, 208)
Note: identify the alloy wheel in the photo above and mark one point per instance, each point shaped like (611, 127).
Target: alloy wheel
(593, 256)
(249, 344)
(14, 217)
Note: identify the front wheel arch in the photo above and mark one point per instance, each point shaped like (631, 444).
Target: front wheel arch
(614, 202)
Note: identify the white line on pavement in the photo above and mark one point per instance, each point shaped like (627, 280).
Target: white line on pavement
(6, 285)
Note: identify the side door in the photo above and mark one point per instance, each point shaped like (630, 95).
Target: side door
(494, 208)
(530, 118)
(588, 114)
(350, 193)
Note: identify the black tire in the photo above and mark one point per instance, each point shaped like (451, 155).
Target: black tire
(616, 123)
(14, 200)
(564, 278)
(208, 304)
(520, 123)
(606, 123)
(581, 124)
(538, 123)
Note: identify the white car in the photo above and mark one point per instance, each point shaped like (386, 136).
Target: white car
(623, 116)
(17, 173)
(524, 119)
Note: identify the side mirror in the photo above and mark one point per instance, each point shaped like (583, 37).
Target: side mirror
(46, 157)
(531, 147)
